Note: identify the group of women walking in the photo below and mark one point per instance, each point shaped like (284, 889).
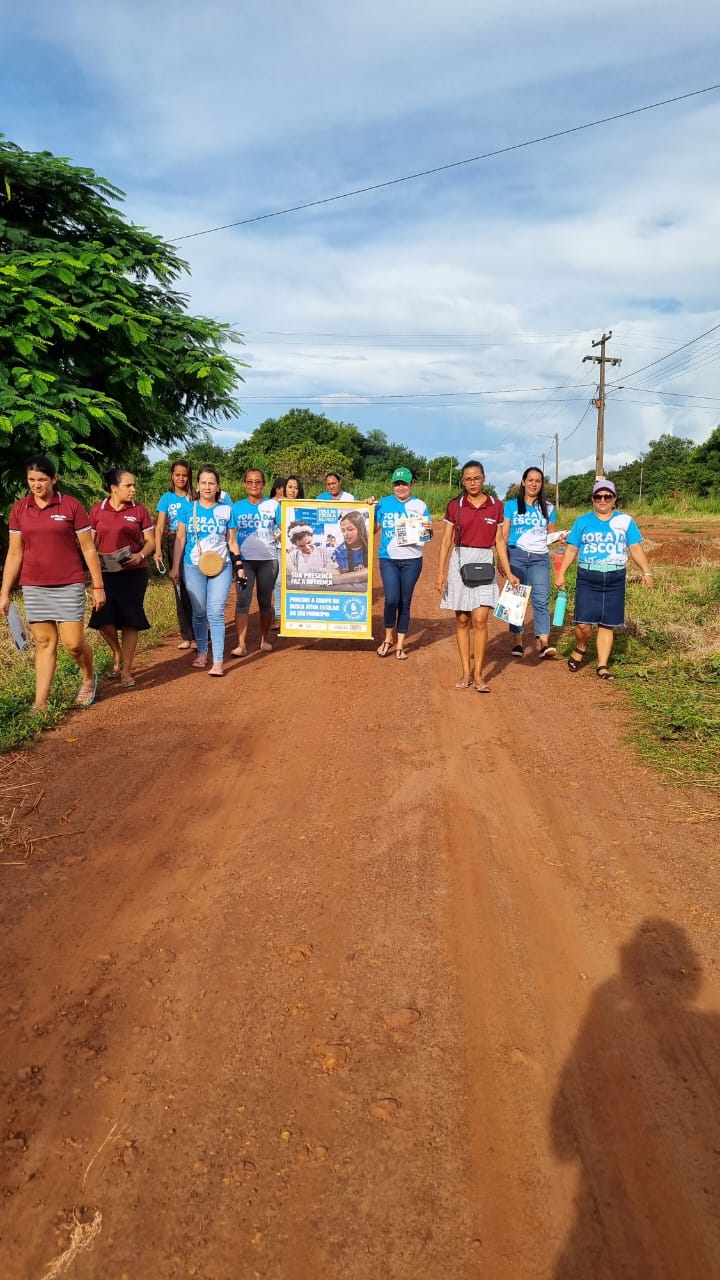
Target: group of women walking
(207, 541)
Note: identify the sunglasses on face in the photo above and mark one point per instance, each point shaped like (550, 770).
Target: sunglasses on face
(602, 497)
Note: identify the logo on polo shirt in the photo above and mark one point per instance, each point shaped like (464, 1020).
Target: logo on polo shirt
(58, 517)
(132, 519)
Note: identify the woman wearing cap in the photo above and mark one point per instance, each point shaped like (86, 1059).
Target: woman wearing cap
(601, 542)
(50, 536)
(125, 540)
(473, 530)
(529, 519)
(400, 556)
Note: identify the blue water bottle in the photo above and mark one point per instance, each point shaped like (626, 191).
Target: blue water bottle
(560, 607)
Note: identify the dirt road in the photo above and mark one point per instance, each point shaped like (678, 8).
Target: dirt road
(331, 970)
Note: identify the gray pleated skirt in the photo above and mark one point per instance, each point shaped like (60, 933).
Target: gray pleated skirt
(55, 604)
(464, 599)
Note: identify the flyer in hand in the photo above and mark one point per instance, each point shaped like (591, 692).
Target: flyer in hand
(411, 531)
(113, 561)
(512, 604)
(17, 628)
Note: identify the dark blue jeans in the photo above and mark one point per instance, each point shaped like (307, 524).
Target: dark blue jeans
(533, 570)
(398, 579)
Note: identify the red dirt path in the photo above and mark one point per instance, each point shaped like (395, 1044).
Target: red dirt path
(349, 974)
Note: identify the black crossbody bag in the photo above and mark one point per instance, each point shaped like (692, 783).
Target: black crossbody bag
(475, 573)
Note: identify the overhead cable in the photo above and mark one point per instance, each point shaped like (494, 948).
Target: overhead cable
(443, 168)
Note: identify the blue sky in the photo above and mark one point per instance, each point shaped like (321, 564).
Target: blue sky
(445, 311)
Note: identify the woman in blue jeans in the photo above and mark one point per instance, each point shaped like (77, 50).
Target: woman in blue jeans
(529, 519)
(405, 525)
(203, 526)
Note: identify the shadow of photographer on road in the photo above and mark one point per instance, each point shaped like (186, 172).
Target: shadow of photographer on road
(638, 1108)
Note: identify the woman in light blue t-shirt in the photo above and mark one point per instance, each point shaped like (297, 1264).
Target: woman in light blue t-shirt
(203, 526)
(168, 509)
(254, 541)
(529, 519)
(404, 524)
(601, 542)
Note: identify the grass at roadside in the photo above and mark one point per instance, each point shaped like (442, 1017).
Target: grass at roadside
(18, 724)
(668, 659)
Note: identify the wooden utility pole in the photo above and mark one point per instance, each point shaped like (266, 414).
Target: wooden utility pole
(602, 360)
(557, 472)
(556, 438)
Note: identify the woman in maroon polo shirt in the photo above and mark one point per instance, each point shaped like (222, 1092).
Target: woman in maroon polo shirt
(46, 529)
(473, 530)
(125, 540)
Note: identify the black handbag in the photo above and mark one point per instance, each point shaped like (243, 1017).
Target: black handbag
(474, 573)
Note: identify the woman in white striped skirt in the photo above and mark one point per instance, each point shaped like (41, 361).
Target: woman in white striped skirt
(46, 528)
(473, 536)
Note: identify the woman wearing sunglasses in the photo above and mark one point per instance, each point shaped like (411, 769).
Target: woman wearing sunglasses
(601, 542)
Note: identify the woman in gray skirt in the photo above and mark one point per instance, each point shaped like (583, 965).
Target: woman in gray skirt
(46, 528)
(473, 530)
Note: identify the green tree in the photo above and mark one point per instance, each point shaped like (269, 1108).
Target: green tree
(443, 467)
(303, 427)
(665, 469)
(703, 466)
(312, 462)
(381, 457)
(98, 355)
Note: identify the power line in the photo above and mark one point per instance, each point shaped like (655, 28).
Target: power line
(662, 359)
(339, 399)
(443, 168)
(578, 425)
(658, 391)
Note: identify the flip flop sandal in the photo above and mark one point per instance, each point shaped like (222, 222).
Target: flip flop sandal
(216, 669)
(113, 674)
(602, 673)
(576, 659)
(464, 683)
(127, 684)
(385, 648)
(200, 661)
(86, 699)
(401, 655)
(482, 688)
(516, 651)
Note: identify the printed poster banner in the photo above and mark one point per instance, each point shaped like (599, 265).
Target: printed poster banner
(326, 569)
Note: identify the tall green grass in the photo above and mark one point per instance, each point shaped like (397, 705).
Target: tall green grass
(668, 660)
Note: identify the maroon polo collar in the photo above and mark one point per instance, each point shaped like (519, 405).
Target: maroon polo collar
(54, 501)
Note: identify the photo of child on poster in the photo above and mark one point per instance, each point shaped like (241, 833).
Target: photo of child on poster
(327, 555)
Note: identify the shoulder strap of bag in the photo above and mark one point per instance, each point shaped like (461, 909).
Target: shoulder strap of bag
(457, 521)
(195, 526)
